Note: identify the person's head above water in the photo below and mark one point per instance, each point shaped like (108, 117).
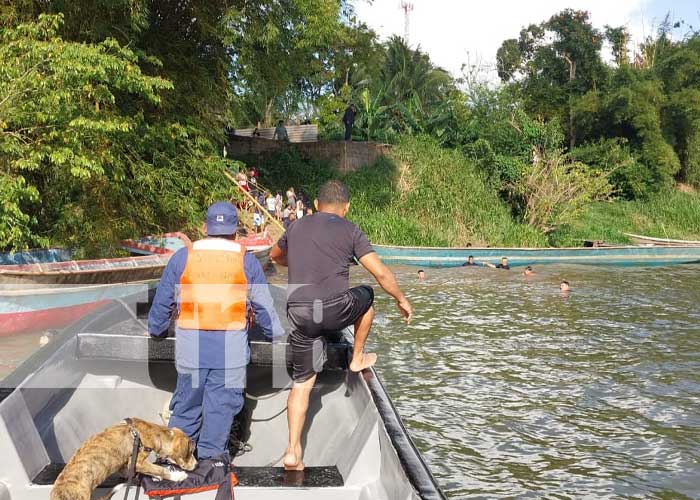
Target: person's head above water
(470, 259)
(421, 274)
(528, 271)
(333, 197)
(504, 261)
(564, 286)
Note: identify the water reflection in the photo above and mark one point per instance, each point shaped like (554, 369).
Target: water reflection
(512, 389)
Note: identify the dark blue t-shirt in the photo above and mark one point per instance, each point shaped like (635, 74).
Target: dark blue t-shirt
(320, 249)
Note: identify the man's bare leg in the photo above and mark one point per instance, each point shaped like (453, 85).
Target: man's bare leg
(361, 359)
(297, 405)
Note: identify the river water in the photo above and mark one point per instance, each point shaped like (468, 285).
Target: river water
(511, 389)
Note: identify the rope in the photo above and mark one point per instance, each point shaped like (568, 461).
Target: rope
(269, 396)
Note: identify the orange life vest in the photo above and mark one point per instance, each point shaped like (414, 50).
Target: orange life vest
(213, 287)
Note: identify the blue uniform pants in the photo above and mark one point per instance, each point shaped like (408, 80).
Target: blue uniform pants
(204, 405)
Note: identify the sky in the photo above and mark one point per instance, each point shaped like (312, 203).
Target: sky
(456, 32)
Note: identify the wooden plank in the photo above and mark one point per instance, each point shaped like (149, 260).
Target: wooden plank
(265, 213)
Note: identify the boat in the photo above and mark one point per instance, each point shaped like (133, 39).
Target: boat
(602, 255)
(103, 369)
(259, 244)
(159, 244)
(41, 296)
(665, 242)
(35, 256)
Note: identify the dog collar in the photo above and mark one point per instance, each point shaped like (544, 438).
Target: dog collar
(138, 443)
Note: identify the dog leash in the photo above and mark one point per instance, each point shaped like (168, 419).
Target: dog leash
(134, 456)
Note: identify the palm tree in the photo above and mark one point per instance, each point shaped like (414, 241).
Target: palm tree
(407, 88)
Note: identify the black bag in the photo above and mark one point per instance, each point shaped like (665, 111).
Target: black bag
(210, 474)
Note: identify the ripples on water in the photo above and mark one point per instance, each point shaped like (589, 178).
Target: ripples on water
(512, 390)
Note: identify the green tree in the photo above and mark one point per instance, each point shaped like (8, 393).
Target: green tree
(78, 166)
(555, 71)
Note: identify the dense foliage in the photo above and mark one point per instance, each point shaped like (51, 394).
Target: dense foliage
(113, 119)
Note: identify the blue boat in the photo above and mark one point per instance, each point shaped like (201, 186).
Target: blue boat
(38, 256)
(642, 255)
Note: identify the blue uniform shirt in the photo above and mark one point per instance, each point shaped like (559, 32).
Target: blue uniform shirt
(212, 348)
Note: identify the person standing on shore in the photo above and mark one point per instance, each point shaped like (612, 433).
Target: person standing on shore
(318, 251)
(280, 132)
(349, 121)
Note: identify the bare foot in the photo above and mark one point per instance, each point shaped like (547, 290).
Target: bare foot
(292, 460)
(368, 359)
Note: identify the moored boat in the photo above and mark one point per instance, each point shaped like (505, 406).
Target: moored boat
(172, 242)
(664, 242)
(40, 296)
(104, 369)
(41, 255)
(603, 255)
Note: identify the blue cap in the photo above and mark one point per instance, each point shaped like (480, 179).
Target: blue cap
(222, 219)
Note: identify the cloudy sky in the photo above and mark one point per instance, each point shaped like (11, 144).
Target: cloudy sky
(455, 32)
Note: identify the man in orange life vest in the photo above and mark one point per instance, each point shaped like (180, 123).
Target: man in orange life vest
(210, 287)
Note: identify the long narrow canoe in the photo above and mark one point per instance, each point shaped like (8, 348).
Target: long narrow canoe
(665, 242)
(102, 370)
(36, 297)
(615, 255)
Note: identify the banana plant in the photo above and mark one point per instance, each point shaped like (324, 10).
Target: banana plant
(373, 109)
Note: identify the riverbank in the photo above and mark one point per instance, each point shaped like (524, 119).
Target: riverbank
(422, 194)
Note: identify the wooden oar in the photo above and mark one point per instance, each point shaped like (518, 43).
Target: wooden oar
(251, 197)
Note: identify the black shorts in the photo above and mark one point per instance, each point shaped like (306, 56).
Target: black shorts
(311, 323)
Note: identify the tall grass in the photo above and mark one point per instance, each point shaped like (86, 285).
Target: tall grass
(422, 194)
(670, 214)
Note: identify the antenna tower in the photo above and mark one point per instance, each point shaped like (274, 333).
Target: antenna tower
(407, 8)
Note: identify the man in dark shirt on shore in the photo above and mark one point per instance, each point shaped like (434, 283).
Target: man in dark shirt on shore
(349, 121)
(319, 250)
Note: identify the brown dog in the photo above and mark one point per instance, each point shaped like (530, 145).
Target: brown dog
(110, 451)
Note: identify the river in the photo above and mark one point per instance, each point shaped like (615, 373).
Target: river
(511, 389)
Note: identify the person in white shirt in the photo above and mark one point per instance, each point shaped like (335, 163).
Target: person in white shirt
(271, 203)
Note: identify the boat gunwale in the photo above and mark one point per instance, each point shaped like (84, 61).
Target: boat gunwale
(412, 462)
(538, 249)
(652, 239)
(14, 270)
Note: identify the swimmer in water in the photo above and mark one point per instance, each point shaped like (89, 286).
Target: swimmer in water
(564, 287)
(502, 265)
(528, 271)
(470, 262)
(421, 275)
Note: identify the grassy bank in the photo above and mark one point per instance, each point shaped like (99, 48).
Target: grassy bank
(422, 194)
(669, 215)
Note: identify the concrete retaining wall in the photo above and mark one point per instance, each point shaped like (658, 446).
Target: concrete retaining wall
(345, 156)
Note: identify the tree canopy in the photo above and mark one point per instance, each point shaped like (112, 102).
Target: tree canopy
(113, 114)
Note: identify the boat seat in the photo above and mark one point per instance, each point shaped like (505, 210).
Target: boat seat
(261, 477)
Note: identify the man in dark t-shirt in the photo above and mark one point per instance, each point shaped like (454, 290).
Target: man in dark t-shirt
(349, 120)
(318, 249)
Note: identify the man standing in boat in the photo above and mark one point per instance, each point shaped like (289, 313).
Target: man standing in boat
(212, 286)
(319, 250)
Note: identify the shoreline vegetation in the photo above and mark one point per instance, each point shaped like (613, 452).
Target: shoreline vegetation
(114, 119)
(421, 194)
